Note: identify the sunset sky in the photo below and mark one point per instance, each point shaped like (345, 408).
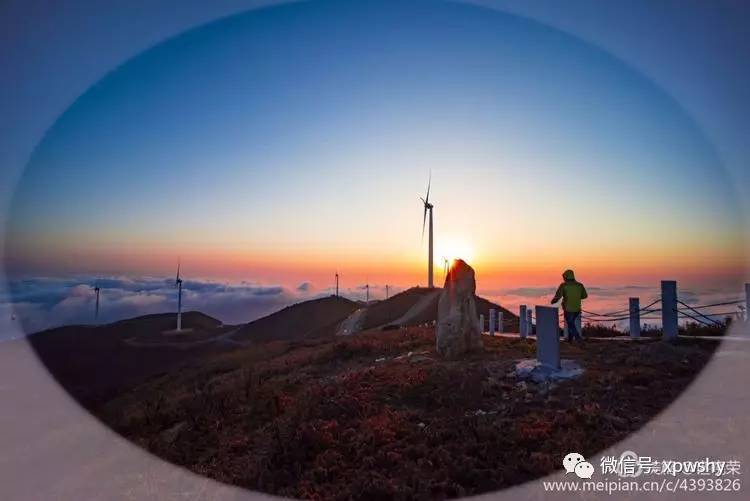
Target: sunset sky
(281, 145)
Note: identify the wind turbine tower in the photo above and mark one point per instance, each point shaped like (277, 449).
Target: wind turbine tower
(96, 307)
(178, 284)
(428, 207)
(367, 293)
(337, 284)
(386, 291)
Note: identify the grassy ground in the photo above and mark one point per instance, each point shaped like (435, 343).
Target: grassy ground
(378, 416)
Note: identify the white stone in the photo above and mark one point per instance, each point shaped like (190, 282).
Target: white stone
(531, 369)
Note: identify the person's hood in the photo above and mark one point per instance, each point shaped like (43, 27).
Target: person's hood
(569, 275)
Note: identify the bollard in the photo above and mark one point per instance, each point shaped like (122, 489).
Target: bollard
(635, 317)
(530, 325)
(669, 309)
(492, 321)
(548, 337)
(499, 322)
(481, 324)
(522, 321)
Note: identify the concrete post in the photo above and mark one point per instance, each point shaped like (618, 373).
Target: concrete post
(522, 321)
(635, 317)
(481, 323)
(669, 309)
(529, 323)
(499, 322)
(547, 337)
(492, 321)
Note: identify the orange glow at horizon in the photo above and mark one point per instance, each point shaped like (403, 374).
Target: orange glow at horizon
(501, 268)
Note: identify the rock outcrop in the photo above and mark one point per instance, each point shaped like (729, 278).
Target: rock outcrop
(457, 320)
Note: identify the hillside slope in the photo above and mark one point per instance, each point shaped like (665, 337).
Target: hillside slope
(396, 308)
(380, 416)
(308, 319)
(94, 362)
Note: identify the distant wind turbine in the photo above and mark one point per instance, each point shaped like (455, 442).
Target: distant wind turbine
(96, 306)
(367, 293)
(386, 291)
(428, 207)
(337, 284)
(445, 267)
(178, 284)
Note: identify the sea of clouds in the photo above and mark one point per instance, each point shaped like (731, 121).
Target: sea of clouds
(33, 304)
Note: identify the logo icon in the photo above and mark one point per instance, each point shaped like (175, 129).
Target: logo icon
(571, 460)
(584, 469)
(576, 463)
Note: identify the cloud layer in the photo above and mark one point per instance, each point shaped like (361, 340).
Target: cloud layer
(34, 304)
(39, 303)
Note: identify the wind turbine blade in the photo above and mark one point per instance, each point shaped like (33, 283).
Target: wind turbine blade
(429, 182)
(424, 221)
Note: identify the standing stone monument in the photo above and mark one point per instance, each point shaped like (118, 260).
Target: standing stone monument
(547, 337)
(547, 366)
(457, 330)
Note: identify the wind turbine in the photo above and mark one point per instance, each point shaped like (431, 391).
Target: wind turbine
(178, 284)
(367, 292)
(96, 307)
(445, 267)
(386, 291)
(337, 284)
(428, 207)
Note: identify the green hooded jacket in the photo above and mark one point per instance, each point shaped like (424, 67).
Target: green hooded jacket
(571, 292)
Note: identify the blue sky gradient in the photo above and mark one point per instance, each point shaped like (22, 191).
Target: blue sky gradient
(310, 128)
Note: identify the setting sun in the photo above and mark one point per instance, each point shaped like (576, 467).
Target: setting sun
(453, 247)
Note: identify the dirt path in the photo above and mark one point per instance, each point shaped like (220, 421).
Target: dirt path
(418, 308)
(353, 323)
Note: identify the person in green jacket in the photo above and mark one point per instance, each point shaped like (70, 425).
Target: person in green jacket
(571, 292)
